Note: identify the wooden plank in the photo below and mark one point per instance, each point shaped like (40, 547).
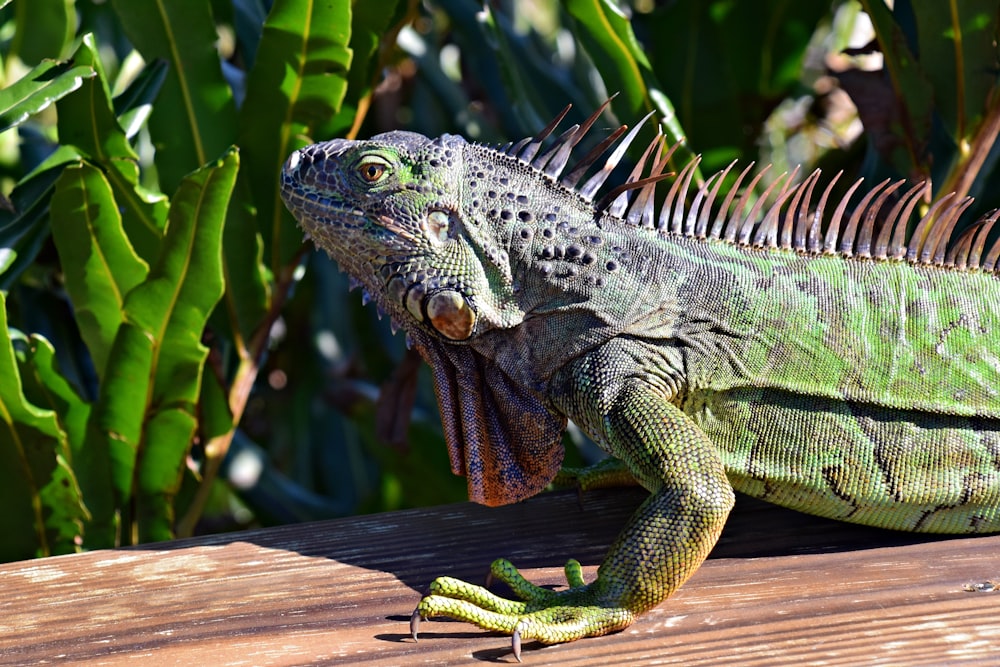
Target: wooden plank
(781, 588)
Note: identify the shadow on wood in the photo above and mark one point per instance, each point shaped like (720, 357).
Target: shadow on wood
(780, 588)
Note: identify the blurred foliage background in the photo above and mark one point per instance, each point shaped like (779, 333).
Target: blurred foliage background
(174, 360)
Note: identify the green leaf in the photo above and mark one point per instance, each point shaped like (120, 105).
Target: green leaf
(113, 437)
(87, 120)
(374, 25)
(36, 90)
(194, 117)
(727, 65)
(134, 104)
(25, 229)
(43, 29)
(248, 287)
(525, 82)
(299, 81)
(45, 386)
(958, 54)
(39, 517)
(607, 36)
(145, 416)
(99, 263)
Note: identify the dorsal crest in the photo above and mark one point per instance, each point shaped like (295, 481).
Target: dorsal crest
(789, 214)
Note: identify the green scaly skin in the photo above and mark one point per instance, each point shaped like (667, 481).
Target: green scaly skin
(863, 389)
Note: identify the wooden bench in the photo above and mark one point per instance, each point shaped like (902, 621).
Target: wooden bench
(780, 588)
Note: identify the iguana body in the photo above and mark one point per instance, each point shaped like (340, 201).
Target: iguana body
(712, 343)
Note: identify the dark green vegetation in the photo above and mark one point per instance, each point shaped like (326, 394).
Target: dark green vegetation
(159, 335)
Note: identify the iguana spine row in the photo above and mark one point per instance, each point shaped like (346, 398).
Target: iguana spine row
(793, 220)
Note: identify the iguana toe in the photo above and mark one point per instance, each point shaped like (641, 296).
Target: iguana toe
(547, 616)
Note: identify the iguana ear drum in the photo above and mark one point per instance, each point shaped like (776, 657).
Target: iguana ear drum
(451, 315)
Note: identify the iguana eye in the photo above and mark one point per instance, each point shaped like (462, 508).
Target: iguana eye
(372, 171)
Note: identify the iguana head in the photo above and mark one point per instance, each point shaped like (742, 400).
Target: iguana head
(426, 227)
(388, 210)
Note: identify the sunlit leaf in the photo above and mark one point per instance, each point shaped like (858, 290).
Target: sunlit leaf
(43, 29)
(145, 416)
(608, 37)
(193, 119)
(36, 90)
(299, 81)
(24, 230)
(40, 516)
(46, 387)
(99, 263)
(88, 122)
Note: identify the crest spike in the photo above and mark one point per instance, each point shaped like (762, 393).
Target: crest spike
(808, 226)
(798, 210)
(597, 180)
(898, 248)
(767, 231)
(896, 218)
(835, 221)
(512, 149)
(531, 149)
(642, 211)
(616, 201)
(720, 219)
(580, 168)
(677, 215)
(699, 206)
(863, 246)
(706, 210)
(736, 220)
(568, 142)
(989, 264)
(937, 242)
(668, 207)
(915, 247)
(850, 229)
(746, 229)
(544, 162)
(984, 231)
(958, 254)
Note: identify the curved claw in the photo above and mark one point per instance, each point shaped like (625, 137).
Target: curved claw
(515, 644)
(415, 619)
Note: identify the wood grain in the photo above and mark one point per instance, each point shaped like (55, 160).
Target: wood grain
(781, 588)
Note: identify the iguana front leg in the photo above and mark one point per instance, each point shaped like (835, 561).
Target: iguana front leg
(663, 544)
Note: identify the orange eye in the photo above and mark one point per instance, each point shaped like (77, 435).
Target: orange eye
(371, 171)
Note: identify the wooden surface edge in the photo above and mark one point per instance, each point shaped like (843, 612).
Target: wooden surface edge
(781, 588)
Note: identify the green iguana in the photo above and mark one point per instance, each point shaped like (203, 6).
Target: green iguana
(715, 341)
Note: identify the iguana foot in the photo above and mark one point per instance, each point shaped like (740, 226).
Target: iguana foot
(550, 617)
